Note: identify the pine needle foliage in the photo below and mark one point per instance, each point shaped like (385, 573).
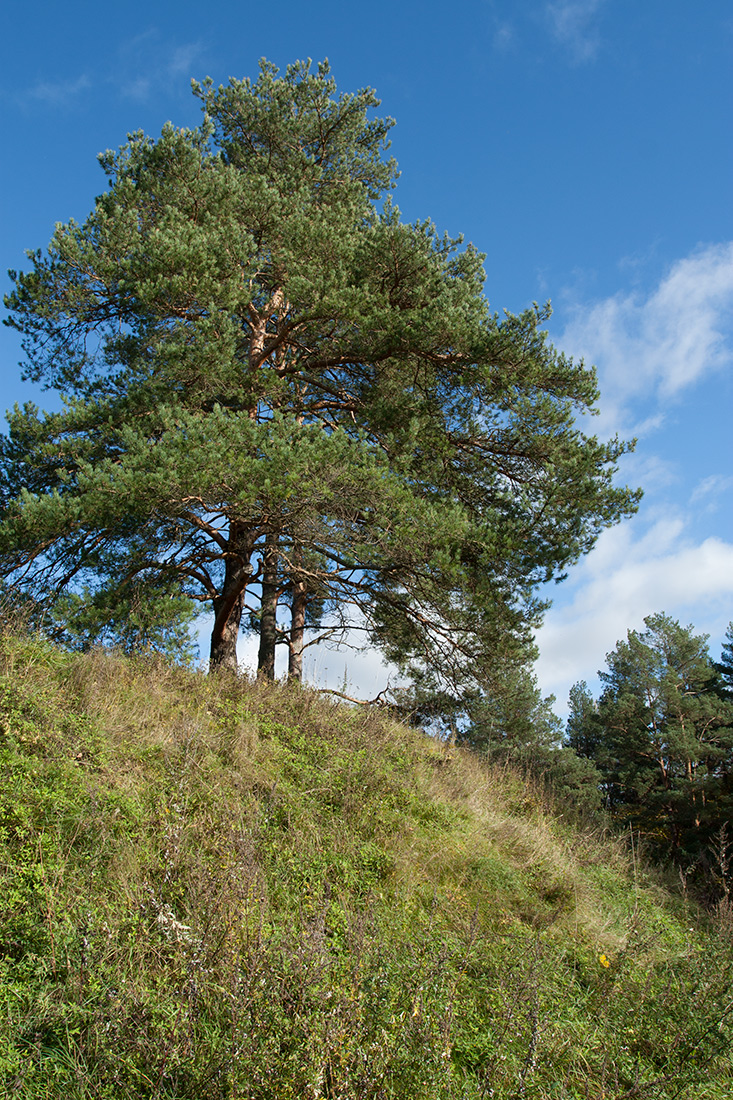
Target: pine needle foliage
(278, 393)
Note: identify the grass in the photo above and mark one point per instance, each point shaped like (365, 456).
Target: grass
(214, 889)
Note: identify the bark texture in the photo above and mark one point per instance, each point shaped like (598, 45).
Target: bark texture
(268, 618)
(229, 603)
(297, 631)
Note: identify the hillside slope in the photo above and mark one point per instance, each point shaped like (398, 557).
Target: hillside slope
(214, 889)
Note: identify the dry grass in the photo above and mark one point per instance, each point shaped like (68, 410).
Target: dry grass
(222, 884)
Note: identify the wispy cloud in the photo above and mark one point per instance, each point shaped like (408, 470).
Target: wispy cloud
(59, 93)
(655, 347)
(138, 88)
(572, 24)
(149, 64)
(711, 489)
(144, 67)
(503, 36)
(656, 474)
(182, 59)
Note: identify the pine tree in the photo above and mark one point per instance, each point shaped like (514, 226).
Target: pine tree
(277, 393)
(662, 736)
(582, 732)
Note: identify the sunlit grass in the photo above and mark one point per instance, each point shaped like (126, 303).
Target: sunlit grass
(213, 888)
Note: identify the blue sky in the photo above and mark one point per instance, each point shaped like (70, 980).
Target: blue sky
(584, 145)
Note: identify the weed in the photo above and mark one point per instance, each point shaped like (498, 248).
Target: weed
(215, 889)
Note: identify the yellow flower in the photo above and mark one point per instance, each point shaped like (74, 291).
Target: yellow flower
(604, 961)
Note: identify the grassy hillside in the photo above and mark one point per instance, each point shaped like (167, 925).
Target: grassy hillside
(215, 889)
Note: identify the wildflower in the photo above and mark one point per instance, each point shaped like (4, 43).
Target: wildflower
(604, 961)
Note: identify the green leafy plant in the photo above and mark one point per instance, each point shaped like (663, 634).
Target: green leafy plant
(216, 888)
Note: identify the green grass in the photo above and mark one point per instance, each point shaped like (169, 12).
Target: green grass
(214, 889)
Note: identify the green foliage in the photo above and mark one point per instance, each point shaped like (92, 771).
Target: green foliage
(662, 737)
(725, 666)
(259, 359)
(214, 888)
(141, 614)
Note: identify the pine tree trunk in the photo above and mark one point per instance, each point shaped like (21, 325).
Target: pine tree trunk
(297, 631)
(229, 603)
(268, 617)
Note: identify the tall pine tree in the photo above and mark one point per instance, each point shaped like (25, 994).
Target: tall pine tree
(275, 391)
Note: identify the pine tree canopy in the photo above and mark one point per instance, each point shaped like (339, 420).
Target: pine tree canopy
(661, 735)
(281, 399)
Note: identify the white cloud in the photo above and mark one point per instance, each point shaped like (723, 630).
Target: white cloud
(145, 65)
(571, 22)
(182, 59)
(59, 93)
(624, 579)
(149, 64)
(138, 89)
(710, 490)
(656, 347)
(650, 471)
(503, 36)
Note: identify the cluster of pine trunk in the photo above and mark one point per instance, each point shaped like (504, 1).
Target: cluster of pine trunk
(229, 606)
